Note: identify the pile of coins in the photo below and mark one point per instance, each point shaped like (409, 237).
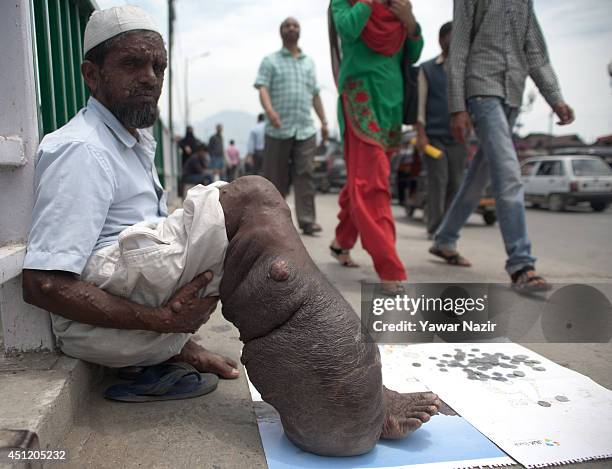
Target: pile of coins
(478, 366)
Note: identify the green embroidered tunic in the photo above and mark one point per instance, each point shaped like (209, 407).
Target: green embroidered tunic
(370, 84)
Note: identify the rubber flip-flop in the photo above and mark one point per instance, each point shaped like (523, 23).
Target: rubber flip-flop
(130, 373)
(164, 382)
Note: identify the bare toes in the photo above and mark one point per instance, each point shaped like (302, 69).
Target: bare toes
(430, 409)
(394, 429)
(422, 416)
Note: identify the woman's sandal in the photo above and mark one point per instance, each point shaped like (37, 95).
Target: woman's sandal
(337, 252)
(523, 283)
(392, 288)
(451, 259)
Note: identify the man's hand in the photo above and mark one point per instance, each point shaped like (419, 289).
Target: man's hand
(186, 311)
(274, 118)
(421, 140)
(461, 126)
(403, 10)
(324, 132)
(564, 112)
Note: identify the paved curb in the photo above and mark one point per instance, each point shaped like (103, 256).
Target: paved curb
(42, 393)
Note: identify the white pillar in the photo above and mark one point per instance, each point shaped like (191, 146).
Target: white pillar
(24, 327)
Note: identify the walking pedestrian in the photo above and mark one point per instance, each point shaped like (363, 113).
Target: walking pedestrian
(494, 47)
(217, 153)
(255, 147)
(288, 90)
(233, 161)
(188, 144)
(445, 173)
(374, 35)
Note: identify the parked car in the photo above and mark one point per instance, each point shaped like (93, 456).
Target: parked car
(601, 151)
(568, 180)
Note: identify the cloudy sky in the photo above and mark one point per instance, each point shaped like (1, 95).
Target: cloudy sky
(238, 33)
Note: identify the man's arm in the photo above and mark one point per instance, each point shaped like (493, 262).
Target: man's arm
(64, 294)
(421, 138)
(263, 82)
(463, 20)
(541, 71)
(461, 42)
(266, 103)
(318, 107)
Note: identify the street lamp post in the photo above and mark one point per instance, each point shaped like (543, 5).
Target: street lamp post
(186, 71)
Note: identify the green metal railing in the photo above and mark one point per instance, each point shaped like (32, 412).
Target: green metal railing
(59, 28)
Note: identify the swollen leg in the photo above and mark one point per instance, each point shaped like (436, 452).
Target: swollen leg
(304, 349)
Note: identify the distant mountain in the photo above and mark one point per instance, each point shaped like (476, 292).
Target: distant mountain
(236, 126)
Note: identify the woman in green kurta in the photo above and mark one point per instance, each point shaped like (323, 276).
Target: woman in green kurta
(374, 36)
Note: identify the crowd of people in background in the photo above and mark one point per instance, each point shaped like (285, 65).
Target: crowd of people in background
(459, 95)
(206, 163)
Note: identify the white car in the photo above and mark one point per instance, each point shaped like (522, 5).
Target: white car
(561, 181)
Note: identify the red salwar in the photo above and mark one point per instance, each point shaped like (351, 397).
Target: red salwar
(365, 205)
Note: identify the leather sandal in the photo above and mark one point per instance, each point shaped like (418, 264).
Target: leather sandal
(337, 252)
(524, 283)
(451, 259)
(392, 288)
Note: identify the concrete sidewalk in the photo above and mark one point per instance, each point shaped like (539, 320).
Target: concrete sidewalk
(41, 393)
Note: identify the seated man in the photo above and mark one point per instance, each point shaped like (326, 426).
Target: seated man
(122, 278)
(194, 169)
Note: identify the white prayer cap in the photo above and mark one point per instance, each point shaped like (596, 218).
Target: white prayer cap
(104, 24)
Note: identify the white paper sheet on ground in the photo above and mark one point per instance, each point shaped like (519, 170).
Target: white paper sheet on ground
(445, 442)
(548, 416)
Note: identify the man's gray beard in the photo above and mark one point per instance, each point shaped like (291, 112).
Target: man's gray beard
(136, 118)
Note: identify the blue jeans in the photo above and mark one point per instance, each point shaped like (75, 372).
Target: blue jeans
(496, 159)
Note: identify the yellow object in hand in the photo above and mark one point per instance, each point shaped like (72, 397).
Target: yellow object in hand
(430, 150)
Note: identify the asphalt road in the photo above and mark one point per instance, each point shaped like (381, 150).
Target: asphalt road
(219, 430)
(570, 246)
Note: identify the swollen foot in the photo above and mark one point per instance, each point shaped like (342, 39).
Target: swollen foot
(207, 362)
(404, 413)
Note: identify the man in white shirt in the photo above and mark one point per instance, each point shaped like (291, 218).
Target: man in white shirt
(255, 146)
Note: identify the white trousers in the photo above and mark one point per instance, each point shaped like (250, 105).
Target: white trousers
(149, 262)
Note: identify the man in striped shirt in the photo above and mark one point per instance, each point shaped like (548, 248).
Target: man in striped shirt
(495, 45)
(288, 91)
